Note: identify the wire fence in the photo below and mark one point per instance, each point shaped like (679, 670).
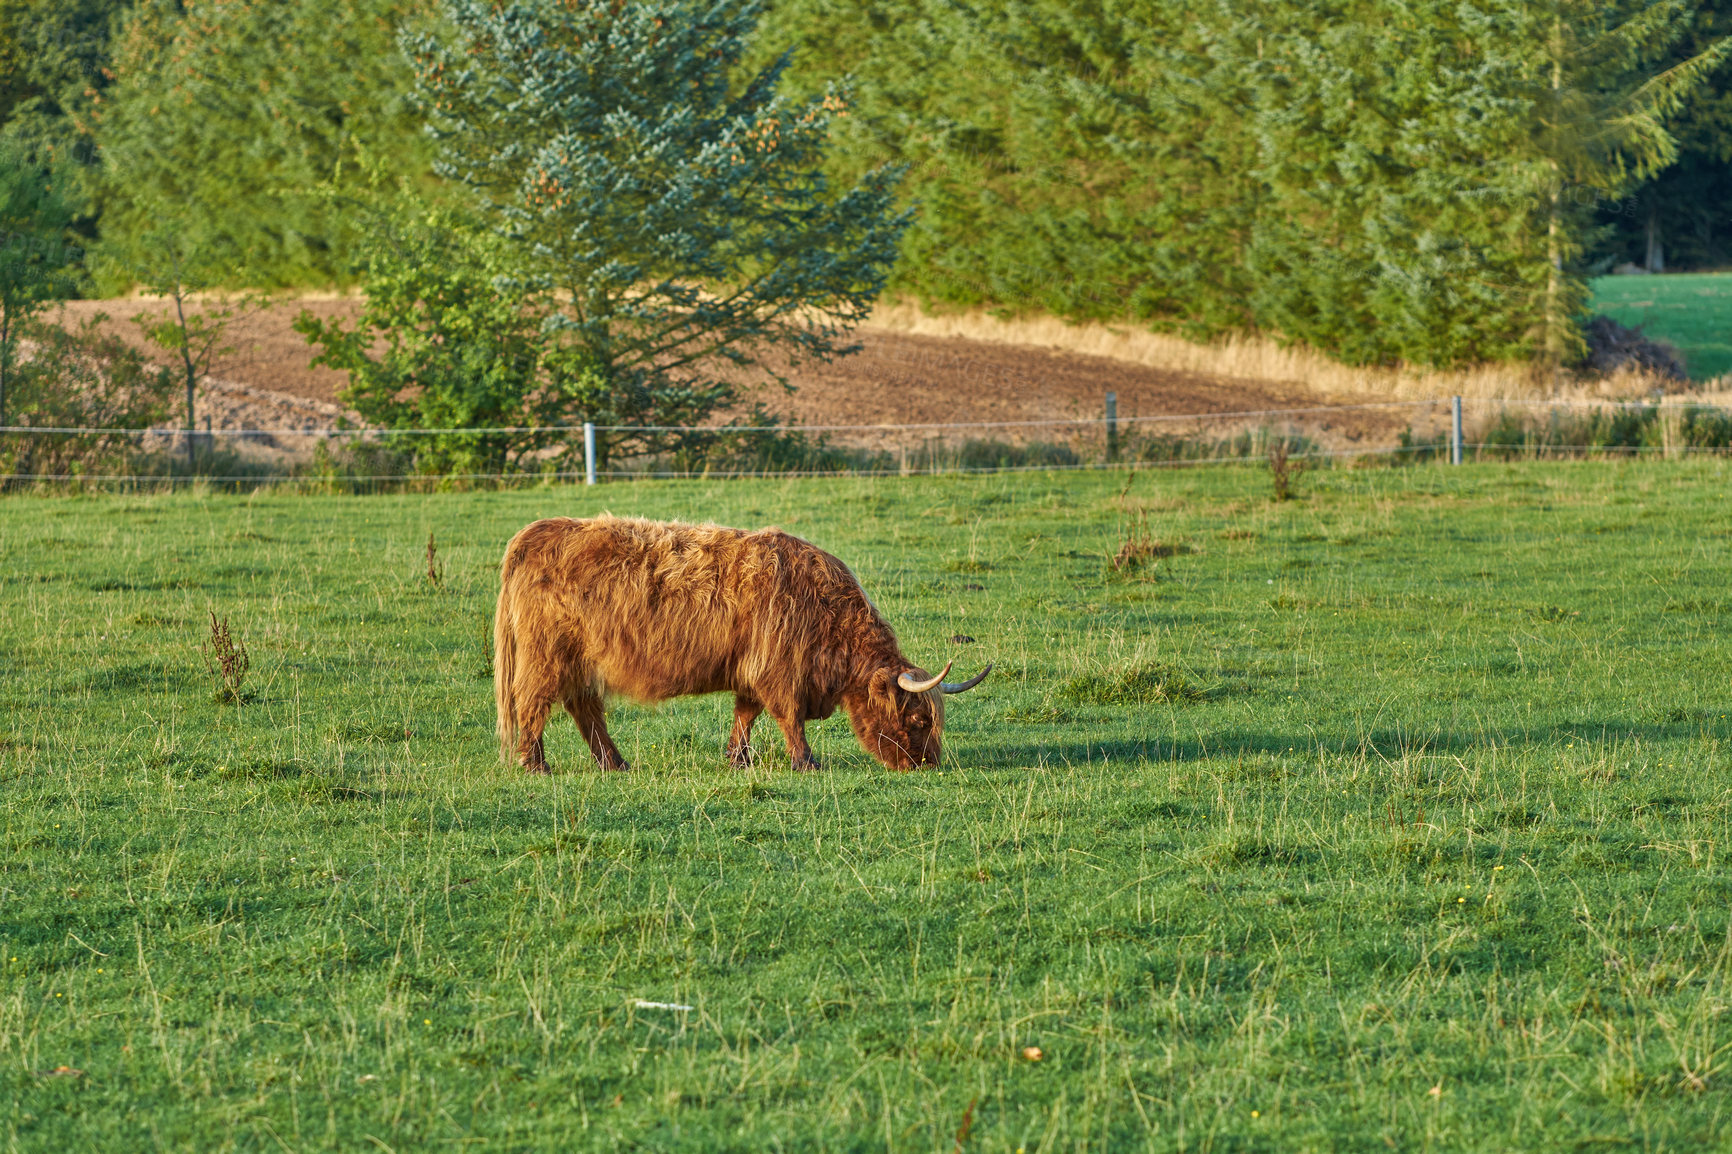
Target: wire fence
(339, 457)
(879, 427)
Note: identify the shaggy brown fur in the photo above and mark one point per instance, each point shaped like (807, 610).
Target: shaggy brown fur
(654, 610)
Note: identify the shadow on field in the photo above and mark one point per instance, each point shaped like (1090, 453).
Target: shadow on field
(1387, 744)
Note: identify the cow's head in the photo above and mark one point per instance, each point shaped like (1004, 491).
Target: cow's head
(901, 716)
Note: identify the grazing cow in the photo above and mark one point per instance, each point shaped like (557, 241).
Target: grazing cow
(654, 610)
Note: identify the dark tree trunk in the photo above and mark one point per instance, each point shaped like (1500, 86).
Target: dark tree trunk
(5, 358)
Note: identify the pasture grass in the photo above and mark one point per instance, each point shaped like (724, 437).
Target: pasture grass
(1393, 817)
(1691, 310)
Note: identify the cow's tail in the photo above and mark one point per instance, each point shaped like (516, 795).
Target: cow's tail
(505, 663)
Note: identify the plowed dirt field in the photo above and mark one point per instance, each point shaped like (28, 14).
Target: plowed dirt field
(895, 379)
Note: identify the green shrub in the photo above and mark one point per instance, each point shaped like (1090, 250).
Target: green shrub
(81, 378)
(1621, 430)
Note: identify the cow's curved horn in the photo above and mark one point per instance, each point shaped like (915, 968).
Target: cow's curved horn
(906, 680)
(965, 686)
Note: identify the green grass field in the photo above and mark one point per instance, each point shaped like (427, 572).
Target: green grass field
(1691, 310)
(1395, 817)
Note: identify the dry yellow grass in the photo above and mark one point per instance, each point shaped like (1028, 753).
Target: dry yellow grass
(1243, 357)
(1262, 359)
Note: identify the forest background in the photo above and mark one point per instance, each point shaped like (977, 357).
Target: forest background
(1422, 182)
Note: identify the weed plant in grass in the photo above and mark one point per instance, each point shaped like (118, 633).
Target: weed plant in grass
(1394, 816)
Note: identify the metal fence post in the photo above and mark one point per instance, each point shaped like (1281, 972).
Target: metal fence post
(1455, 430)
(1112, 426)
(588, 453)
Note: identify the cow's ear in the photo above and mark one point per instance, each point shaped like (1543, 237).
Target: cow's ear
(879, 687)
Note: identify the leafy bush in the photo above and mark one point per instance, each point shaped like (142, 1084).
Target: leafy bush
(650, 219)
(1246, 445)
(996, 455)
(81, 378)
(1703, 427)
(441, 345)
(1413, 449)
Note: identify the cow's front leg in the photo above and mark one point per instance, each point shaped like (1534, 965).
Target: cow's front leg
(586, 709)
(794, 732)
(740, 739)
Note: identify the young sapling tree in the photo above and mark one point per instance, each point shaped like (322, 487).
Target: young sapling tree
(197, 318)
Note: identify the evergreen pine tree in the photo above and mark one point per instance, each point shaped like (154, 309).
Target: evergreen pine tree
(1086, 160)
(1682, 218)
(1394, 186)
(54, 57)
(251, 121)
(674, 228)
(1600, 121)
(1383, 181)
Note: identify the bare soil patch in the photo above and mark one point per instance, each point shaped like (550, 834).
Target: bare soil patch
(897, 378)
(901, 378)
(267, 353)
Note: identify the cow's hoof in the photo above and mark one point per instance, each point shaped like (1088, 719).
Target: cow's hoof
(741, 757)
(806, 765)
(618, 767)
(541, 770)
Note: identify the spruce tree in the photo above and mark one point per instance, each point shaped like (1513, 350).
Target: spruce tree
(1394, 188)
(674, 227)
(1382, 181)
(1089, 160)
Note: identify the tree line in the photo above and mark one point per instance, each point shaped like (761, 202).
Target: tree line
(597, 211)
(1430, 181)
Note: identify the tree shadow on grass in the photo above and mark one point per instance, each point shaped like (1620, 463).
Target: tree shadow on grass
(1382, 744)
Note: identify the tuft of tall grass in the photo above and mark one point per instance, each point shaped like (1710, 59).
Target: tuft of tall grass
(1144, 685)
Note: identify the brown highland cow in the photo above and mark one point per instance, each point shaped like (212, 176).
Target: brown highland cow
(654, 610)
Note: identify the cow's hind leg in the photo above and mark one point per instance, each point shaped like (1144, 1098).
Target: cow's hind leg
(535, 693)
(740, 740)
(531, 720)
(585, 707)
